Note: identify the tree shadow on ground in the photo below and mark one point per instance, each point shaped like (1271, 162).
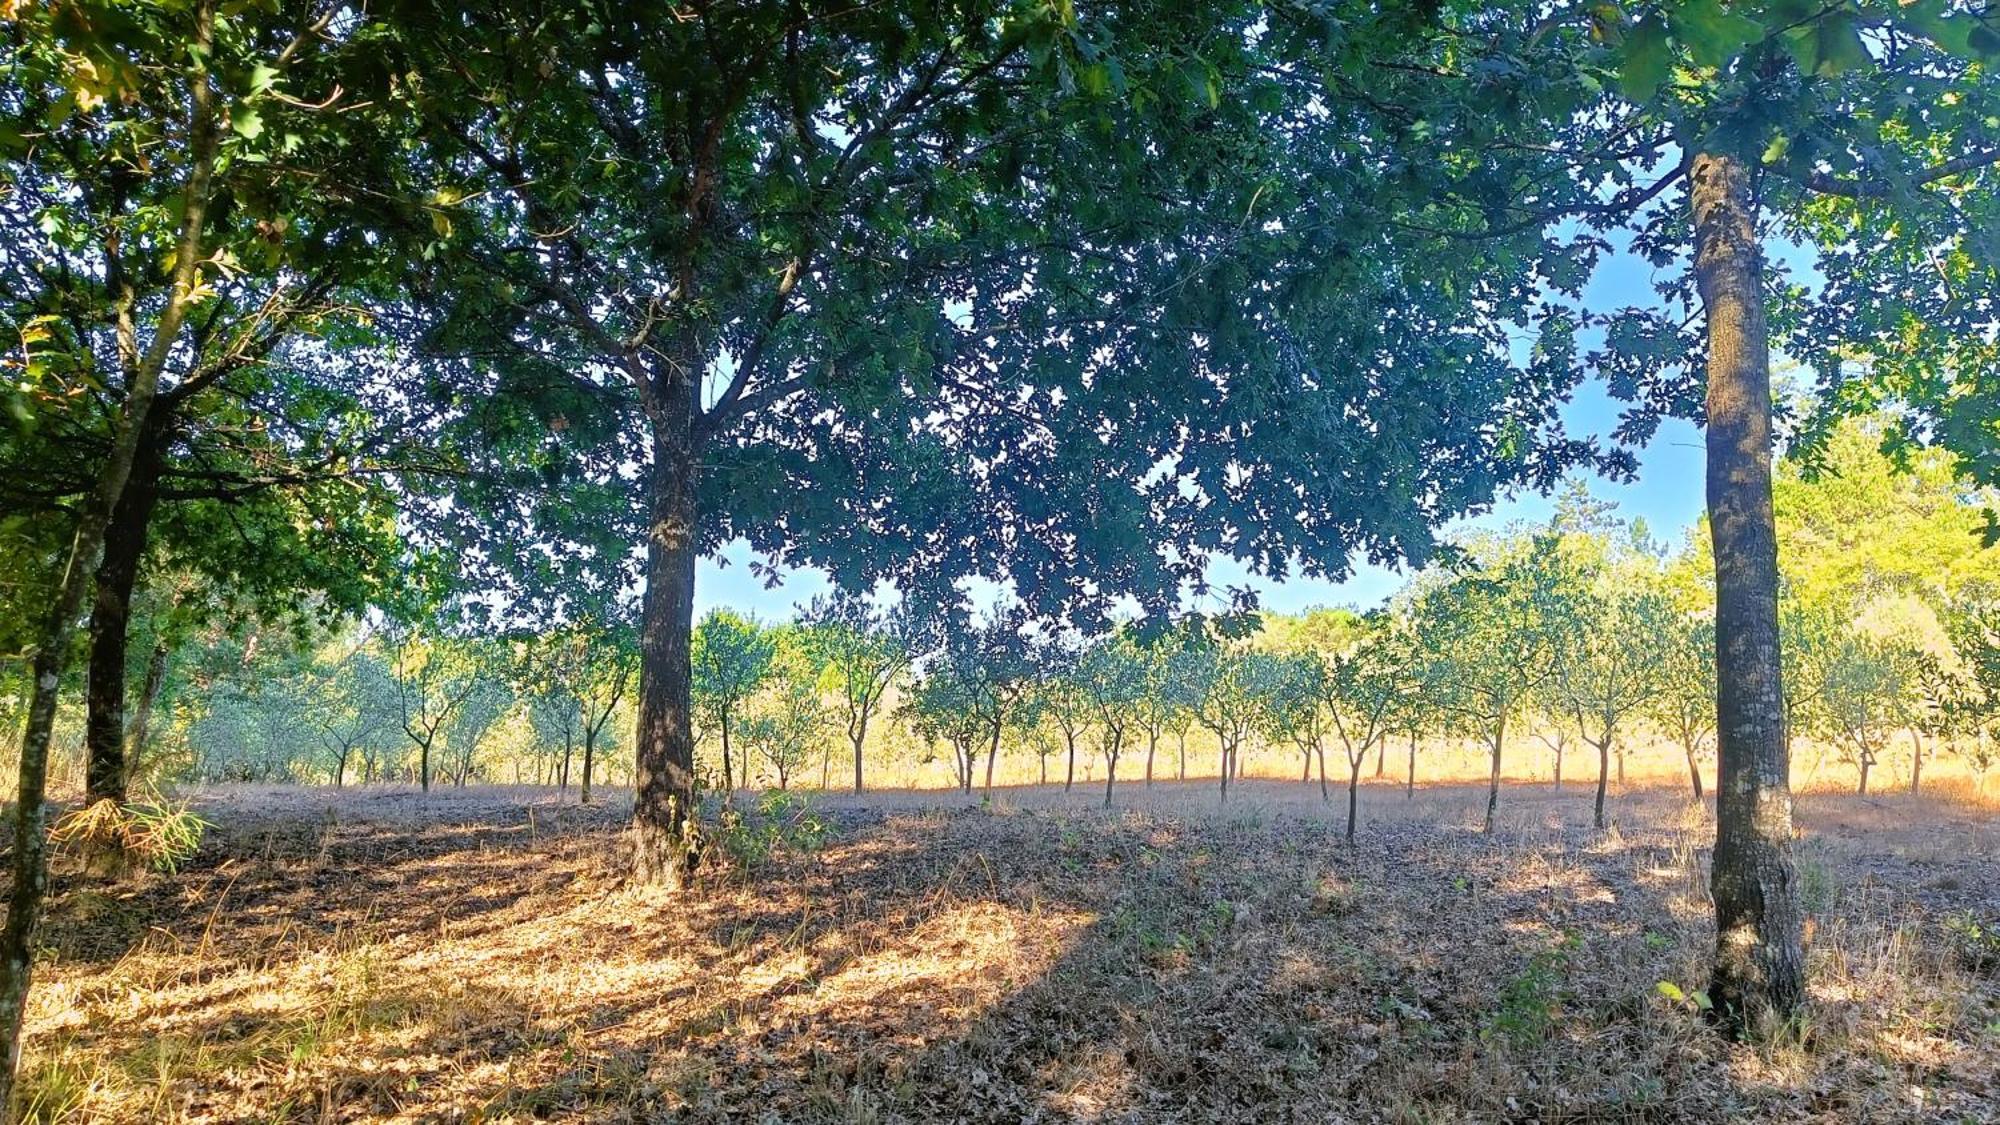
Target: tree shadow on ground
(1015, 964)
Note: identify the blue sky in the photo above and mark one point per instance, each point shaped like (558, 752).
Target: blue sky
(1667, 494)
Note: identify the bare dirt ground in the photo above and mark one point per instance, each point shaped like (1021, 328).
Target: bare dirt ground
(473, 955)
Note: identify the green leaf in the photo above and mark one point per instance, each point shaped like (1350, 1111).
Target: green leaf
(1828, 47)
(1648, 60)
(262, 77)
(1713, 36)
(1776, 150)
(1671, 991)
(247, 121)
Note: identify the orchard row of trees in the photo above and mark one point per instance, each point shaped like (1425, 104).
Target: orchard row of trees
(1582, 632)
(540, 300)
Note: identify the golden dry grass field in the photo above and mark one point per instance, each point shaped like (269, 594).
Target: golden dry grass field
(472, 955)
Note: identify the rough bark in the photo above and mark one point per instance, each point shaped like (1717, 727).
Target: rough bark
(1759, 958)
(664, 829)
(110, 625)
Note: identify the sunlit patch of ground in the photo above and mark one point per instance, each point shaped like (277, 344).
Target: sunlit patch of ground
(475, 956)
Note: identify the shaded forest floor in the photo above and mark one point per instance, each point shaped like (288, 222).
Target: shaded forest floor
(474, 956)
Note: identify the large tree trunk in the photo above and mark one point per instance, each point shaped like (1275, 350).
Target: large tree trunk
(110, 624)
(1759, 957)
(664, 811)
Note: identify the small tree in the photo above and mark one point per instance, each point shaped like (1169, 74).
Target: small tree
(1867, 698)
(1362, 686)
(1113, 675)
(482, 709)
(788, 720)
(582, 672)
(1236, 687)
(863, 652)
(354, 708)
(1608, 667)
(1492, 635)
(433, 680)
(1683, 702)
(1063, 701)
(731, 657)
(1292, 711)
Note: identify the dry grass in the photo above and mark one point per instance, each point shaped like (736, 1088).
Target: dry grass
(473, 956)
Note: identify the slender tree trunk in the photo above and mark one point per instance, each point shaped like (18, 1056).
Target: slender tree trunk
(424, 766)
(1181, 739)
(729, 763)
(860, 736)
(1110, 770)
(1867, 760)
(1228, 752)
(1324, 796)
(1382, 759)
(664, 826)
(1559, 765)
(1603, 776)
(1069, 779)
(1916, 762)
(1621, 768)
(589, 760)
(1759, 956)
(562, 772)
(1493, 782)
(1694, 772)
(137, 731)
(1354, 790)
(110, 623)
(1306, 766)
(992, 754)
(1152, 743)
(1410, 786)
